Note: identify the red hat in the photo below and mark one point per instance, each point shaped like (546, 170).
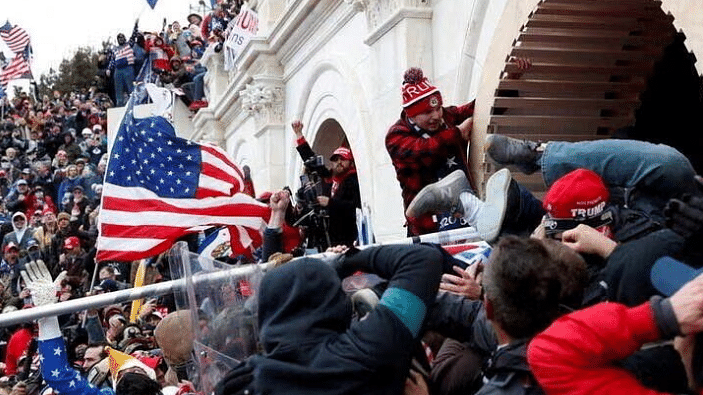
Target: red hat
(71, 243)
(11, 245)
(580, 194)
(418, 94)
(343, 152)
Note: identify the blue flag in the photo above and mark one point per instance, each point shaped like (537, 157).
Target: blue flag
(152, 3)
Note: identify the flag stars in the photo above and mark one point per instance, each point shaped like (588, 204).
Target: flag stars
(55, 373)
(72, 383)
(189, 157)
(116, 155)
(169, 158)
(170, 173)
(178, 181)
(152, 171)
(112, 174)
(159, 149)
(58, 351)
(146, 161)
(169, 142)
(161, 180)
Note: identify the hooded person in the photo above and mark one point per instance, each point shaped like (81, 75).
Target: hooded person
(21, 234)
(311, 344)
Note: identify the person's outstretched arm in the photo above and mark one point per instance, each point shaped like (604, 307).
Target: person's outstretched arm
(52, 348)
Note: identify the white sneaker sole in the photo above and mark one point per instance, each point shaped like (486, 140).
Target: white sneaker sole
(492, 214)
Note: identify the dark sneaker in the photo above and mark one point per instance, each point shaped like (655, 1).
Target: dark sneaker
(443, 195)
(490, 218)
(506, 151)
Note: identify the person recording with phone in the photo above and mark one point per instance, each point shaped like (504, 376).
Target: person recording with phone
(339, 203)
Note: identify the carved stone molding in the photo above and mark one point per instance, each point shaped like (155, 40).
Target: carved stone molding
(379, 11)
(263, 101)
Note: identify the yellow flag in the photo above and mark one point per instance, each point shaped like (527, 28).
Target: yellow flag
(138, 282)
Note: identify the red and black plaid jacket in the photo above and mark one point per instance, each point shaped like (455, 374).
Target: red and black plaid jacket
(421, 157)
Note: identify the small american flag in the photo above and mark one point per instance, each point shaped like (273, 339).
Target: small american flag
(159, 187)
(15, 37)
(16, 69)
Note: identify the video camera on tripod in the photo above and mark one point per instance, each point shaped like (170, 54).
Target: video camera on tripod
(315, 218)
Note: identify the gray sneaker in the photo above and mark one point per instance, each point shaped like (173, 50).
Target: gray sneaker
(490, 218)
(505, 151)
(442, 195)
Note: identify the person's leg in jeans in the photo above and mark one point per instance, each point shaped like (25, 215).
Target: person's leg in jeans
(654, 173)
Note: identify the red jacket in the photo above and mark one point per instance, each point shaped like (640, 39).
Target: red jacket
(577, 353)
(420, 156)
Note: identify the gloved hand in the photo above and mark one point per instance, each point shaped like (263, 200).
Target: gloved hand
(685, 216)
(39, 282)
(237, 381)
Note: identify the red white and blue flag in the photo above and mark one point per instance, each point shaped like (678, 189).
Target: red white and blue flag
(159, 187)
(17, 68)
(15, 37)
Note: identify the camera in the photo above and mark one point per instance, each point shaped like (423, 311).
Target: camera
(313, 217)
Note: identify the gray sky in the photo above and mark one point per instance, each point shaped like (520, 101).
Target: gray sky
(57, 28)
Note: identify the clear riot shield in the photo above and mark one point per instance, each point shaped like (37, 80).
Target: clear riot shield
(222, 302)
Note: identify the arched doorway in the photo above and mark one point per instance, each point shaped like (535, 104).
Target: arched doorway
(599, 69)
(328, 138)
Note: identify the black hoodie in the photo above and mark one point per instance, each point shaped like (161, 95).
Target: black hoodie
(310, 344)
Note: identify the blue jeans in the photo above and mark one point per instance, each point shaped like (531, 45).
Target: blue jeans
(650, 174)
(124, 78)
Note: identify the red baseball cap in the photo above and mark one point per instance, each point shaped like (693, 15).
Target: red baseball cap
(11, 245)
(579, 194)
(71, 243)
(579, 197)
(343, 152)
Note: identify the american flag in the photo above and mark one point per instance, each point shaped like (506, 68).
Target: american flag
(15, 37)
(16, 69)
(159, 187)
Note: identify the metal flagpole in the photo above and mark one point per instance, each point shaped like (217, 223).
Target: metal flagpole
(166, 287)
(126, 295)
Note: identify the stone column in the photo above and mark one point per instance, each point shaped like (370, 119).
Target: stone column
(263, 99)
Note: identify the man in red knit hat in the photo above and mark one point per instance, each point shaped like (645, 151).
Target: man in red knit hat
(428, 143)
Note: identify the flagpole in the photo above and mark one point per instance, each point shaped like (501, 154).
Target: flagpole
(126, 295)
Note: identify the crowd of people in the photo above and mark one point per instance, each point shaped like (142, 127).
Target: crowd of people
(577, 294)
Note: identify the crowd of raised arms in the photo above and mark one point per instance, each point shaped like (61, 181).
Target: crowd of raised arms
(593, 288)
